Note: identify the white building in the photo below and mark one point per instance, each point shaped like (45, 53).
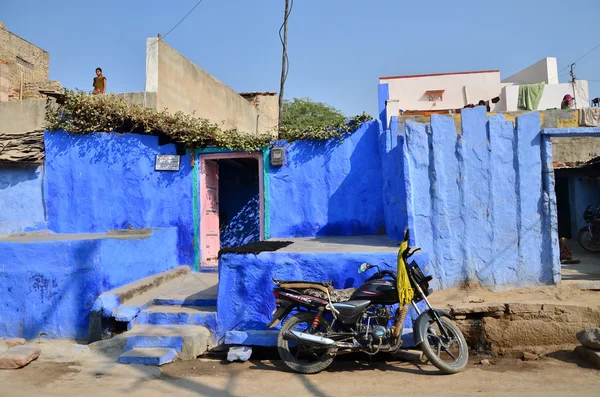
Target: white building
(450, 92)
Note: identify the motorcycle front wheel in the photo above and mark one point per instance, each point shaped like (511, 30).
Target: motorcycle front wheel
(587, 241)
(448, 354)
(301, 358)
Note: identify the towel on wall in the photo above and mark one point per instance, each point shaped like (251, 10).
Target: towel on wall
(589, 117)
(530, 95)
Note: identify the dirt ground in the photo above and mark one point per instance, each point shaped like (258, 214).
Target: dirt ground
(563, 294)
(67, 369)
(70, 369)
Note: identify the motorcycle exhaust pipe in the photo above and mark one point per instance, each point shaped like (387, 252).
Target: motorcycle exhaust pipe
(304, 338)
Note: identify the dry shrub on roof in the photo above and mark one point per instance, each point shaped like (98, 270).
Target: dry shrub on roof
(80, 113)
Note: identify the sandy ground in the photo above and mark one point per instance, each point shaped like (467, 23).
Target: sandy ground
(563, 294)
(67, 369)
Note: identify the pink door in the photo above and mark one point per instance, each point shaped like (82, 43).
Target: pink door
(210, 238)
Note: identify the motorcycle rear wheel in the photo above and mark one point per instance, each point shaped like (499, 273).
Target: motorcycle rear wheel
(304, 359)
(585, 240)
(437, 348)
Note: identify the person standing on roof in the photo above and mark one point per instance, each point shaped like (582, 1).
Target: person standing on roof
(99, 82)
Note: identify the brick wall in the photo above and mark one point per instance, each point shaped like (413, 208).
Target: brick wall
(22, 61)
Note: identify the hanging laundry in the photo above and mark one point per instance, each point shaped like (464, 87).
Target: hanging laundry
(589, 117)
(530, 95)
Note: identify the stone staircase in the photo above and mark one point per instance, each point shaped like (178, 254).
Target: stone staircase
(175, 319)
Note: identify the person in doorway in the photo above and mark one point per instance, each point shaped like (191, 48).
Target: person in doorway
(99, 82)
(566, 256)
(567, 102)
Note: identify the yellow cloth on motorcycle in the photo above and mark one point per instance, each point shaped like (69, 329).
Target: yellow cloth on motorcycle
(405, 291)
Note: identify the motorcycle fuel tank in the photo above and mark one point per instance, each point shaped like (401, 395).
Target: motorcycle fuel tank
(377, 291)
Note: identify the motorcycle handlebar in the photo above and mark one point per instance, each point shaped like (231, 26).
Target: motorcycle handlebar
(381, 274)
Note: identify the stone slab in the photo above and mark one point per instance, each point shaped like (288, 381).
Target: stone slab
(530, 356)
(477, 309)
(179, 315)
(590, 286)
(18, 357)
(411, 356)
(516, 308)
(15, 342)
(239, 353)
(189, 341)
(148, 356)
(590, 338)
(589, 355)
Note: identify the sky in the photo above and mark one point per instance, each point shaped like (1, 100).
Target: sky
(337, 48)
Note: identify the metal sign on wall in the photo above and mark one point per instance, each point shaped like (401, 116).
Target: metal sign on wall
(167, 162)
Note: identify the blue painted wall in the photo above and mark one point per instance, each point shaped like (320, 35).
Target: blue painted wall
(21, 201)
(246, 300)
(582, 192)
(50, 286)
(391, 145)
(329, 188)
(476, 199)
(239, 204)
(105, 181)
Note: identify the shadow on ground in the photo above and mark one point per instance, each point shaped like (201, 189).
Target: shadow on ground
(569, 356)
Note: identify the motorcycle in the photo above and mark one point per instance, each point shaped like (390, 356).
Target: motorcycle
(326, 322)
(589, 236)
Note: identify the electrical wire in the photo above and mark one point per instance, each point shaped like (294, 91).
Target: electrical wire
(579, 89)
(162, 37)
(580, 58)
(564, 73)
(287, 61)
(181, 20)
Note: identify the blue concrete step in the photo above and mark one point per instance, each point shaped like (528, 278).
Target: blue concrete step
(184, 300)
(179, 315)
(148, 356)
(189, 341)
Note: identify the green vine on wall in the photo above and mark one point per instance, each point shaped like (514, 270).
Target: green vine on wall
(79, 113)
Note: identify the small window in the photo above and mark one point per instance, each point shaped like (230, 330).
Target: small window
(435, 95)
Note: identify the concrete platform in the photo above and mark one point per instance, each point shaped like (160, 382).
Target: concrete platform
(148, 356)
(29, 237)
(340, 244)
(586, 273)
(191, 289)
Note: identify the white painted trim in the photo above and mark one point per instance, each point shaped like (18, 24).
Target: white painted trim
(152, 64)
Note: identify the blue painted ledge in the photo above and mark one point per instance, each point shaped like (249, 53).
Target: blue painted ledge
(579, 131)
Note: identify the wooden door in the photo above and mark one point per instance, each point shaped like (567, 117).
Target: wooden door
(210, 238)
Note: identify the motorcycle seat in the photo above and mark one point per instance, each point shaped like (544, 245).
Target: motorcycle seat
(336, 296)
(321, 286)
